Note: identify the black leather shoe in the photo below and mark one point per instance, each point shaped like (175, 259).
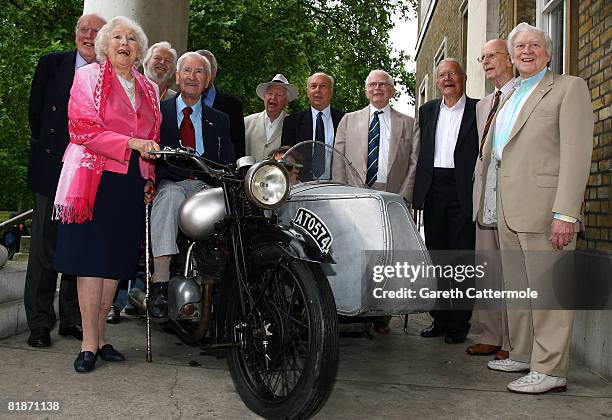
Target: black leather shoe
(433, 330)
(114, 315)
(85, 362)
(39, 337)
(454, 337)
(108, 353)
(158, 301)
(75, 331)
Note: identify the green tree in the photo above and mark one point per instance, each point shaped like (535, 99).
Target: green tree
(255, 39)
(28, 29)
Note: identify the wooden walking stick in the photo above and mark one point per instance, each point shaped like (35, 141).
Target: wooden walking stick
(148, 280)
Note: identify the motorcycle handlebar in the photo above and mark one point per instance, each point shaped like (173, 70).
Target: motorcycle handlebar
(199, 161)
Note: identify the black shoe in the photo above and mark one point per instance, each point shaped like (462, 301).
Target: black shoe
(108, 353)
(39, 337)
(434, 330)
(158, 300)
(85, 362)
(131, 311)
(454, 337)
(75, 331)
(114, 315)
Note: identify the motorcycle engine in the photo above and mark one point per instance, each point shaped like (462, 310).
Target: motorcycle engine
(199, 213)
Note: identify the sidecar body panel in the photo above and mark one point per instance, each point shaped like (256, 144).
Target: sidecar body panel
(369, 228)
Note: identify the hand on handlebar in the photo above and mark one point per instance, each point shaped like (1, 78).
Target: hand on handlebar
(143, 146)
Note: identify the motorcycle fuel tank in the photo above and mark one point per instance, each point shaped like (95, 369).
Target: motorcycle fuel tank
(199, 213)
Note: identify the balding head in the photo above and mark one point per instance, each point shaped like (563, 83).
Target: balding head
(496, 62)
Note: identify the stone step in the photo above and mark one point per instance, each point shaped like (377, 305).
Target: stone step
(12, 318)
(24, 244)
(12, 281)
(21, 257)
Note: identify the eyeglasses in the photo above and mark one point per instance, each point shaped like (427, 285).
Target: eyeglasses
(450, 74)
(85, 30)
(379, 85)
(490, 56)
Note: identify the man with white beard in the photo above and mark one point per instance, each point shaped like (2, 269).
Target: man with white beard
(159, 66)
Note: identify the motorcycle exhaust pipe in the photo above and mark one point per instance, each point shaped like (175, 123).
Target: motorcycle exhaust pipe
(138, 299)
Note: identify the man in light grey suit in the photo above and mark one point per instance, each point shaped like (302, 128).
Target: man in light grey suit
(498, 69)
(263, 130)
(397, 153)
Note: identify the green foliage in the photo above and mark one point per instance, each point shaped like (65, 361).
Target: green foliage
(252, 39)
(28, 29)
(255, 39)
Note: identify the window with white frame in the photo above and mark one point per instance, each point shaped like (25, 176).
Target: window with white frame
(422, 98)
(439, 56)
(551, 16)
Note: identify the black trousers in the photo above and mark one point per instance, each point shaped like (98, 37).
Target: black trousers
(41, 280)
(449, 228)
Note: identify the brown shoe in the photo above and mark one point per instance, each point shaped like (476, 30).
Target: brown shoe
(482, 349)
(502, 354)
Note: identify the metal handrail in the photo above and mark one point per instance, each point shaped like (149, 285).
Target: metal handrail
(14, 220)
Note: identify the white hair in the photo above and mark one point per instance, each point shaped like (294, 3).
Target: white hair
(163, 44)
(76, 28)
(451, 60)
(525, 27)
(196, 55)
(390, 79)
(102, 38)
(210, 57)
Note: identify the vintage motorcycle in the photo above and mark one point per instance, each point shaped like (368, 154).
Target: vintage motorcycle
(253, 286)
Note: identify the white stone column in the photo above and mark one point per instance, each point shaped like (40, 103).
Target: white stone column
(162, 20)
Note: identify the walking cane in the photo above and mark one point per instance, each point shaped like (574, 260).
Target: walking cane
(148, 280)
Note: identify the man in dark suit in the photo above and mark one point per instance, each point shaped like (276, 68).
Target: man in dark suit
(226, 103)
(299, 127)
(186, 121)
(49, 125)
(443, 187)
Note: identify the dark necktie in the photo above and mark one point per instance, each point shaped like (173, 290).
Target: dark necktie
(373, 144)
(318, 153)
(187, 130)
(489, 120)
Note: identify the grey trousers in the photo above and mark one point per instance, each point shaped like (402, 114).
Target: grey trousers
(164, 213)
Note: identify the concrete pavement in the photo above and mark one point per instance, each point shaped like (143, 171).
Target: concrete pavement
(397, 376)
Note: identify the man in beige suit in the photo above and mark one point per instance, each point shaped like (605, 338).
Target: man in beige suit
(498, 69)
(382, 144)
(541, 144)
(398, 140)
(263, 131)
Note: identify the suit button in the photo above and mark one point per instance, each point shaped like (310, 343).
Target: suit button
(52, 130)
(53, 108)
(48, 151)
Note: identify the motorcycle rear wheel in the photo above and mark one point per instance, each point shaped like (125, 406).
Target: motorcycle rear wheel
(286, 365)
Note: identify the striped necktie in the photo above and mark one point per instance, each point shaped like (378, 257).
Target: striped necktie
(489, 120)
(373, 145)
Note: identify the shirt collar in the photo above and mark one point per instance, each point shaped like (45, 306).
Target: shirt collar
(386, 110)
(531, 81)
(180, 105)
(507, 87)
(459, 105)
(326, 112)
(80, 61)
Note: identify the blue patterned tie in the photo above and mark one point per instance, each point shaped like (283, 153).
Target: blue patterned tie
(373, 143)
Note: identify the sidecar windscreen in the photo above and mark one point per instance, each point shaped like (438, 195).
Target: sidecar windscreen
(313, 161)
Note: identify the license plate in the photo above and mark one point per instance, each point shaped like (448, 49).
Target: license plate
(314, 227)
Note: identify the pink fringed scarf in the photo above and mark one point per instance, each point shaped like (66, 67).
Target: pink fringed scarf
(82, 170)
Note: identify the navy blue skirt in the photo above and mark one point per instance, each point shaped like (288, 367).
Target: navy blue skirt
(108, 245)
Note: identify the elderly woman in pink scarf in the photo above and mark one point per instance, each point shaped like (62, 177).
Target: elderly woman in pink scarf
(106, 179)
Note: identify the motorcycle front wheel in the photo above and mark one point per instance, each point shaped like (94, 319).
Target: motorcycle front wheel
(287, 359)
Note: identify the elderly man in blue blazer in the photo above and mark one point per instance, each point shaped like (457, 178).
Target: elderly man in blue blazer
(186, 121)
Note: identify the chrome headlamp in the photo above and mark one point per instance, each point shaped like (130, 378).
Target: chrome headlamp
(267, 184)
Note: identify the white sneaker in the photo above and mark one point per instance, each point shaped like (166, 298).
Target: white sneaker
(538, 383)
(508, 365)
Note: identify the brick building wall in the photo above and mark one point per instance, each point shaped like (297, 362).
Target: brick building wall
(594, 51)
(439, 27)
